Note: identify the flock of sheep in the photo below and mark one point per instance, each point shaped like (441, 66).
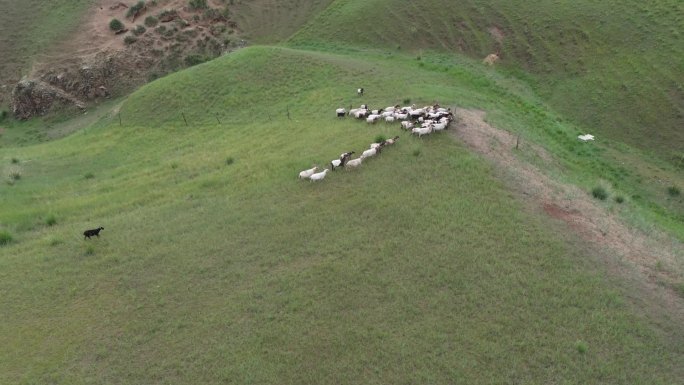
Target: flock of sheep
(421, 121)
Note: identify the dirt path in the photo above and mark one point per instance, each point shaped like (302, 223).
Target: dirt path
(644, 260)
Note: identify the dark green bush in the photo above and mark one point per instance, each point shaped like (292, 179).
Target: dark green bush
(14, 174)
(599, 193)
(130, 39)
(619, 199)
(89, 175)
(134, 9)
(198, 4)
(673, 191)
(51, 220)
(5, 238)
(116, 25)
(195, 59)
(229, 161)
(380, 138)
(3, 115)
(151, 21)
(139, 30)
(15, 160)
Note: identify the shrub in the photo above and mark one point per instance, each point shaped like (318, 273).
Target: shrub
(139, 30)
(3, 115)
(90, 250)
(198, 4)
(51, 220)
(195, 59)
(581, 347)
(619, 199)
(229, 161)
(406, 101)
(116, 25)
(130, 39)
(151, 21)
(134, 9)
(380, 138)
(89, 175)
(15, 160)
(167, 12)
(673, 191)
(416, 152)
(14, 174)
(5, 238)
(599, 193)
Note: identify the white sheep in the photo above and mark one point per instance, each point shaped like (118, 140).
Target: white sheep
(392, 140)
(307, 173)
(406, 125)
(354, 163)
(439, 126)
(340, 112)
(370, 152)
(318, 176)
(389, 119)
(372, 118)
(402, 116)
(335, 163)
(420, 131)
(360, 113)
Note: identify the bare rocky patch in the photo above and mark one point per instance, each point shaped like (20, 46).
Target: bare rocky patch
(651, 260)
(97, 62)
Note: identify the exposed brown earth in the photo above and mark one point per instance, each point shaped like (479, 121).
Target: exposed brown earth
(95, 62)
(653, 260)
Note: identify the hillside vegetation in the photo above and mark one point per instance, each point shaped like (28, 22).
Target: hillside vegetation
(30, 28)
(615, 67)
(217, 265)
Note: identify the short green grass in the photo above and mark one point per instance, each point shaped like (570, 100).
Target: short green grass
(615, 67)
(420, 267)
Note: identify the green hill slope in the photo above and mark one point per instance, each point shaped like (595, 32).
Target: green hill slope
(615, 67)
(217, 265)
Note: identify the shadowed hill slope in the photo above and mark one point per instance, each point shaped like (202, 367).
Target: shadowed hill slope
(615, 67)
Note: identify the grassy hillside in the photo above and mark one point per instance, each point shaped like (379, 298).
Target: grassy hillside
(274, 21)
(615, 67)
(29, 28)
(217, 265)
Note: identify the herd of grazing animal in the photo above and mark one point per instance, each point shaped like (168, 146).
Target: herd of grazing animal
(420, 121)
(346, 161)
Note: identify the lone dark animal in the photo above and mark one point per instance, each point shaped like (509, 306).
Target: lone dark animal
(90, 233)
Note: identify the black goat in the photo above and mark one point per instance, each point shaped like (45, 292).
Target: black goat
(90, 233)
